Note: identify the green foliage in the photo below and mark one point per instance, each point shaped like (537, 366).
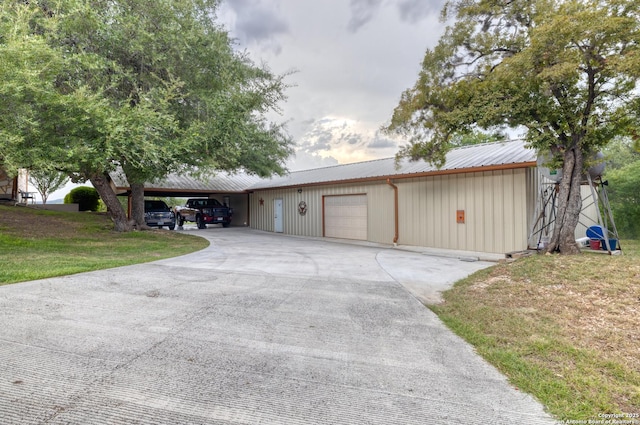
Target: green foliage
(47, 181)
(565, 71)
(148, 87)
(475, 138)
(86, 197)
(624, 197)
(619, 153)
(180, 95)
(623, 174)
(170, 201)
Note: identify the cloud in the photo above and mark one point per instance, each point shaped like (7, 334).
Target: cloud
(350, 138)
(306, 161)
(326, 133)
(414, 11)
(258, 22)
(381, 142)
(343, 140)
(318, 138)
(353, 59)
(362, 11)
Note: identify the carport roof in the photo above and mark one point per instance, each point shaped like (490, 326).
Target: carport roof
(488, 156)
(512, 154)
(186, 185)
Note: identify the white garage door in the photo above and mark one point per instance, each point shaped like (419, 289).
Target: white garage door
(345, 217)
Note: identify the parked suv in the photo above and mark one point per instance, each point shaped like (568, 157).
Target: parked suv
(158, 214)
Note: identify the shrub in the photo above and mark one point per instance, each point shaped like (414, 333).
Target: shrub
(86, 197)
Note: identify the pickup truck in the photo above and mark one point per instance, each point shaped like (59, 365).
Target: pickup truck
(203, 211)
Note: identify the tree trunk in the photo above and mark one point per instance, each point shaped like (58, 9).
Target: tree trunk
(114, 208)
(569, 204)
(137, 205)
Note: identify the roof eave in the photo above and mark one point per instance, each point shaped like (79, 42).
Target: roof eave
(498, 167)
(150, 191)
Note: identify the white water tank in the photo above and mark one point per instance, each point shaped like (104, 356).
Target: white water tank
(555, 175)
(598, 166)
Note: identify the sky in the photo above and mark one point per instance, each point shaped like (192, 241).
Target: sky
(350, 60)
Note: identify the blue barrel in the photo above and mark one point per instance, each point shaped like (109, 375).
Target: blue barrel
(595, 232)
(613, 244)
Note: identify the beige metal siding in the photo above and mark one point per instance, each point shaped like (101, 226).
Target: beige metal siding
(380, 226)
(533, 190)
(381, 213)
(240, 206)
(345, 217)
(494, 204)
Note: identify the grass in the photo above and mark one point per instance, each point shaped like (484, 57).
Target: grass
(564, 329)
(36, 244)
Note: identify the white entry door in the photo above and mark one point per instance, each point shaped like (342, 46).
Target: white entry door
(277, 208)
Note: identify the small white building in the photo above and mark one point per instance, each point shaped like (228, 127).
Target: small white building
(13, 187)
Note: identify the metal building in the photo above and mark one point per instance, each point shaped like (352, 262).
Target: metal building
(482, 200)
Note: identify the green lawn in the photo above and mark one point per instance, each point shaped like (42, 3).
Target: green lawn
(36, 244)
(564, 329)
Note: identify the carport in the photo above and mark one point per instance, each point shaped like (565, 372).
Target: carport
(229, 189)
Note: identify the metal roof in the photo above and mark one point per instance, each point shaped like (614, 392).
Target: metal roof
(511, 154)
(219, 183)
(457, 160)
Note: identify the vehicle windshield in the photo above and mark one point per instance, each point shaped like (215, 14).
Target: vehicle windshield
(155, 206)
(206, 203)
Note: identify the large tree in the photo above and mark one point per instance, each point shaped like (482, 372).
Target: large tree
(564, 72)
(160, 89)
(177, 69)
(46, 123)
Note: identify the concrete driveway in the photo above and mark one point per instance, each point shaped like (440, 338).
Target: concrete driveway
(257, 328)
